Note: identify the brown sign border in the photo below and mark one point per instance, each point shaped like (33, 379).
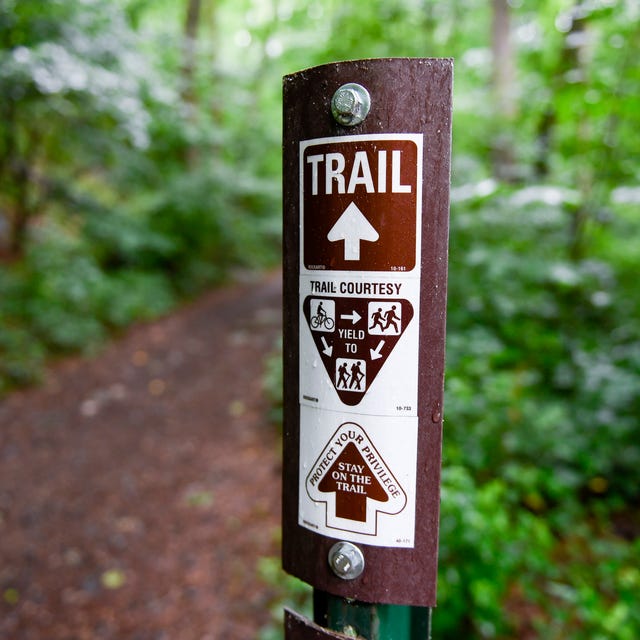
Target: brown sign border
(409, 95)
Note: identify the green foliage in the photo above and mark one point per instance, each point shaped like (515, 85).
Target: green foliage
(21, 356)
(64, 300)
(273, 383)
(541, 355)
(204, 245)
(541, 408)
(590, 592)
(485, 546)
(288, 592)
(137, 167)
(121, 191)
(72, 86)
(541, 441)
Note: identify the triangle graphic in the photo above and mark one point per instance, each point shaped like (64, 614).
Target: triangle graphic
(354, 337)
(352, 479)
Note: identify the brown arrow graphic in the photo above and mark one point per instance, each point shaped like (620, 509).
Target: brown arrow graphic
(349, 471)
(352, 481)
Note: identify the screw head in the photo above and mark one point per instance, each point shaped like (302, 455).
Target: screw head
(350, 104)
(346, 560)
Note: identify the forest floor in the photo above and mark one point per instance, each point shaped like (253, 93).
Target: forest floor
(139, 488)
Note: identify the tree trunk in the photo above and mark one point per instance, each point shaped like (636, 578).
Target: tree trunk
(188, 71)
(21, 211)
(573, 66)
(503, 85)
(190, 38)
(15, 183)
(569, 62)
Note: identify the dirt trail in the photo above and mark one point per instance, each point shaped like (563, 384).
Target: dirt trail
(138, 489)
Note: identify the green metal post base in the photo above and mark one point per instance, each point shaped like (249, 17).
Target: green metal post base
(371, 621)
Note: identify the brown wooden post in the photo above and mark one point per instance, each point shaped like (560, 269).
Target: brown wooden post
(366, 207)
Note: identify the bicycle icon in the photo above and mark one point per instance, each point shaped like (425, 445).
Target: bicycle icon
(322, 316)
(325, 321)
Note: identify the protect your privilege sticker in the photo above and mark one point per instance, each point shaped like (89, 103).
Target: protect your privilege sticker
(359, 479)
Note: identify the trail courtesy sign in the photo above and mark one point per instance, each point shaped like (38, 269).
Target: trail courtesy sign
(366, 225)
(354, 338)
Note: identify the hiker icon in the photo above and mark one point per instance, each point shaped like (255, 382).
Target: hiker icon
(343, 376)
(385, 318)
(356, 376)
(351, 375)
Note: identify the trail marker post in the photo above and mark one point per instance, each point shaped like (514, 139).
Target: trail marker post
(366, 161)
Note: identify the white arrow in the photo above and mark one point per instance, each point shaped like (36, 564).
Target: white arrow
(327, 349)
(375, 353)
(354, 316)
(353, 228)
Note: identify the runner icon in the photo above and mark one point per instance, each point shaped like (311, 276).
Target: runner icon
(351, 375)
(376, 318)
(390, 319)
(385, 318)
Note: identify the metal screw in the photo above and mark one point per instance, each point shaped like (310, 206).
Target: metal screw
(346, 560)
(350, 104)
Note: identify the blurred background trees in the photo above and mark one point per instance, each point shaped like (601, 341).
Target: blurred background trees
(140, 163)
